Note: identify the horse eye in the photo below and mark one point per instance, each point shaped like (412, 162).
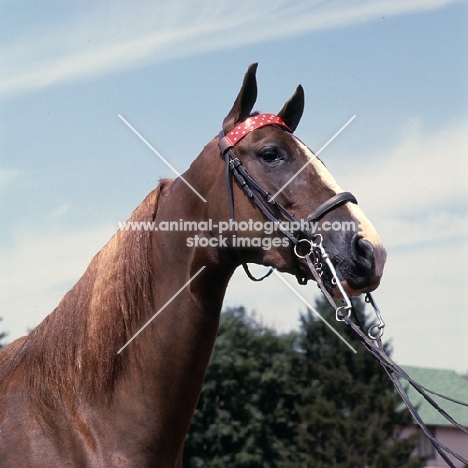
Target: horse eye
(270, 155)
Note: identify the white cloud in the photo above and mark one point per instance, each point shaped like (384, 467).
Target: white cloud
(423, 297)
(61, 210)
(416, 192)
(437, 228)
(7, 175)
(119, 36)
(39, 269)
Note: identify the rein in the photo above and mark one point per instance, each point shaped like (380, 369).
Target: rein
(315, 258)
(309, 247)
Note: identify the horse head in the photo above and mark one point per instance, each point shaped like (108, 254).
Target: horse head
(292, 180)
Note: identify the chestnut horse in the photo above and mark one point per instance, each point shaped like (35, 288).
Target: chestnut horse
(71, 396)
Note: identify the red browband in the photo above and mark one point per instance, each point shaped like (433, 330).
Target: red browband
(244, 128)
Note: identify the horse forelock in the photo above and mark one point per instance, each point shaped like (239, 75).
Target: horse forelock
(74, 350)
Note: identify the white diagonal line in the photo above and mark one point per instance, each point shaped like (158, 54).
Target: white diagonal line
(161, 309)
(314, 311)
(159, 156)
(311, 159)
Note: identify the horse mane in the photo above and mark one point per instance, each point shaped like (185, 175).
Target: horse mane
(73, 351)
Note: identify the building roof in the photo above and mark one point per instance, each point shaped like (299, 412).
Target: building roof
(446, 382)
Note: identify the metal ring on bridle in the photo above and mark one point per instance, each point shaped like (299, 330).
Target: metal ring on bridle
(340, 315)
(311, 246)
(379, 332)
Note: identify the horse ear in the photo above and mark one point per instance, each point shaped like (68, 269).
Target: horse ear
(245, 100)
(292, 111)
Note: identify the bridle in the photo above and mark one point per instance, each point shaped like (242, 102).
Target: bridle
(309, 247)
(262, 198)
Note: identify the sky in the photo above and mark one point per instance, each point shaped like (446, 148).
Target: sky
(70, 169)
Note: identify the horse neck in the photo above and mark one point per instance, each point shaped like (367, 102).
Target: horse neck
(173, 351)
(175, 261)
(155, 280)
(140, 274)
(138, 280)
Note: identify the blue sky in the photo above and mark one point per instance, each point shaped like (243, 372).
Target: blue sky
(70, 169)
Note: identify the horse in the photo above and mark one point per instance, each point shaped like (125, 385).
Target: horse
(99, 383)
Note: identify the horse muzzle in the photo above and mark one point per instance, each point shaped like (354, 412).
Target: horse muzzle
(362, 269)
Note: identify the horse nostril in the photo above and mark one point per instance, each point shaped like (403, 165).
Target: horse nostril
(362, 252)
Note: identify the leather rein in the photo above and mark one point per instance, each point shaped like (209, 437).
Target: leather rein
(309, 247)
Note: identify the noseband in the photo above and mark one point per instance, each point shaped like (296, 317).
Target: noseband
(263, 199)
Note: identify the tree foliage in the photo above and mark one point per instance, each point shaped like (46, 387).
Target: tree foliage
(294, 401)
(350, 414)
(245, 417)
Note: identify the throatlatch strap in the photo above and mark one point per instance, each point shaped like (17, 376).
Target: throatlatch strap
(231, 214)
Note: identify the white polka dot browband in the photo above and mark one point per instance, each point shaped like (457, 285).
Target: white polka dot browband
(252, 123)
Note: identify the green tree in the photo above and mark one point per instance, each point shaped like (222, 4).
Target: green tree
(246, 415)
(296, 401)
(350, 413)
